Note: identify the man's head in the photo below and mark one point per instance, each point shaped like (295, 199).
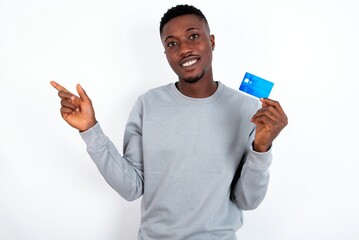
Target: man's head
(188, 44)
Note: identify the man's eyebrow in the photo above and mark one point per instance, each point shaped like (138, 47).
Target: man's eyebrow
(170, 36)
(192, 28)
(188, 30)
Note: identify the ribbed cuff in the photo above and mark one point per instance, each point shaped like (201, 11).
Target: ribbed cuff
(259, 160)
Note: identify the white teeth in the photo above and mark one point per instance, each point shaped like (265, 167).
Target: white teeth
(189, 63)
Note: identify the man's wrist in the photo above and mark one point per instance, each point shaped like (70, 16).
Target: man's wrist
(260, 148)
(90, 125)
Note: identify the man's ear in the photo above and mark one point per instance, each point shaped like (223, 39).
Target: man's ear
(211, 37)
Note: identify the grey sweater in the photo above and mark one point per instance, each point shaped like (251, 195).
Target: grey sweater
(181, 155)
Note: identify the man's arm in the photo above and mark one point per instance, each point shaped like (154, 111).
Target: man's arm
(251, 187)
(124, 174)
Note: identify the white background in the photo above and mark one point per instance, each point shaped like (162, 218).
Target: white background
(51, 189)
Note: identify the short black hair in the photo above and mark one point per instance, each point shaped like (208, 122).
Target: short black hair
(180, 10)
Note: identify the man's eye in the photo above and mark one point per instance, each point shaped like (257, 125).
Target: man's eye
(171, 44)
(194, 36)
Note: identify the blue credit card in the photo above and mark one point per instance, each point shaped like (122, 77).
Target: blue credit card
(256, 86)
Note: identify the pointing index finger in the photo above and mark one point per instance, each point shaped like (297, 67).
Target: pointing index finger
(58, 87)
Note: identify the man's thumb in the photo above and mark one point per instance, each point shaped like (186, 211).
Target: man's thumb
(82, 93)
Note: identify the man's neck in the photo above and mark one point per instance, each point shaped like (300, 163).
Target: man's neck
(200, 89)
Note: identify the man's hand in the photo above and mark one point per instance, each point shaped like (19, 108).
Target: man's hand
(270, 120)
(77, 111)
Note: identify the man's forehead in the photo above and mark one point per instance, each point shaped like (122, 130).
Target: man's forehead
(183, 23)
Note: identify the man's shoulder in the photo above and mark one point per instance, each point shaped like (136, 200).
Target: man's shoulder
(157, 90)
(163, 88)
(156, 93)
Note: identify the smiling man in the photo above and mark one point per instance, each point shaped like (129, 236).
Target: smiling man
(196, 151)
(188, 46)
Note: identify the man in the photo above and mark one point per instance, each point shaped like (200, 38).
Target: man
(196, 151)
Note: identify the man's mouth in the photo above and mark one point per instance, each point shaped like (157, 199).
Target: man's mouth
(189, 63)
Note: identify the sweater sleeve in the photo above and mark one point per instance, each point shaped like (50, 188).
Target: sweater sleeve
(123, 173)
(251, 187)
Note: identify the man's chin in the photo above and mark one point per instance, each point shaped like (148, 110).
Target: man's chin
(193, 79)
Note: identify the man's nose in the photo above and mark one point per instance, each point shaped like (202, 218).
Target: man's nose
(185, 48)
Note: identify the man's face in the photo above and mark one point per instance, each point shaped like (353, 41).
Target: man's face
(188, 47)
